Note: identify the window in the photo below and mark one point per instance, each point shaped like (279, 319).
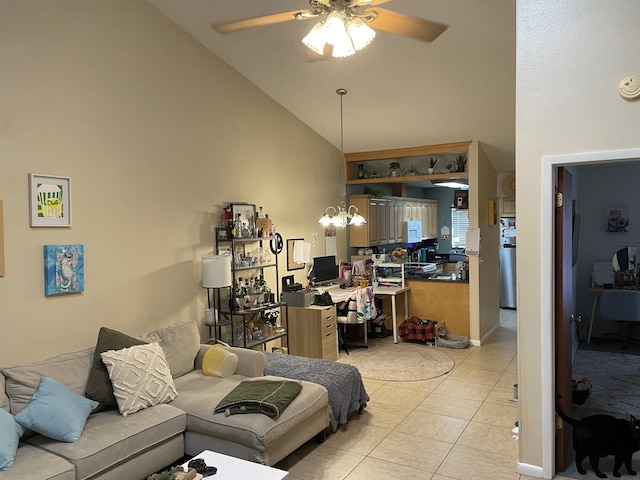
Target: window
(459, 225)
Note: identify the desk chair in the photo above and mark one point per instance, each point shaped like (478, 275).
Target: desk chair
(355, 314)
(622, 306)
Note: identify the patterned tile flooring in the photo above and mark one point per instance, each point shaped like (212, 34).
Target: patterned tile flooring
(457, 426)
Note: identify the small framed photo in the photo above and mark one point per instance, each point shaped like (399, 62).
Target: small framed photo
(221, 234)
(63, 269)
(49, 201)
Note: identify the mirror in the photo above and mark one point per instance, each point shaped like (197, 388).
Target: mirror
(624, 263)
(624, 260)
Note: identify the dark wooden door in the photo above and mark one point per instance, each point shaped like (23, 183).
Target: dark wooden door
(563, 311)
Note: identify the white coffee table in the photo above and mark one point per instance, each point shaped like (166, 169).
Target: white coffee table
(231, 468)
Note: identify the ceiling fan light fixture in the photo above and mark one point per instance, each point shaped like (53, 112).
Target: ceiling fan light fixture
(336, 34)
(361, 34)
(316, 38)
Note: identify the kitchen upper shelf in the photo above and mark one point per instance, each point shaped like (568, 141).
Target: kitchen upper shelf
(413, 161)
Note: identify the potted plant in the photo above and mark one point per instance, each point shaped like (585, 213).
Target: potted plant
(164, 475)
(394, 167)
(432, 164)
(461, 161)
(271, 318)
(414, 171)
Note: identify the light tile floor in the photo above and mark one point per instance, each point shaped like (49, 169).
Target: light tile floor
(457, 426)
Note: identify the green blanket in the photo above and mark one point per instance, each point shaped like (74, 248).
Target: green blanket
(269, 397)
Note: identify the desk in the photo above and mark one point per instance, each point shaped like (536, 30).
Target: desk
(340, 295)
(231, 468)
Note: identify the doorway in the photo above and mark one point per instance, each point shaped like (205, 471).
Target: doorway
(550, 165)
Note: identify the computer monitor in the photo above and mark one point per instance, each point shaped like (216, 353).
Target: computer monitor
(325, 269)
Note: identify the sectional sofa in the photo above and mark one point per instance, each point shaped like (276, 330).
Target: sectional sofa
(143, 440)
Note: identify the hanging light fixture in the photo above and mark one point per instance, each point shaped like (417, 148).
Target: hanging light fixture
(341, 216)
(343, 30)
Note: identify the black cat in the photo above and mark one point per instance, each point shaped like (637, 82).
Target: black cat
(597, 436)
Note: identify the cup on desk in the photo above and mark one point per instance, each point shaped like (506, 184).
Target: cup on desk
(363, 284)
(375, 284)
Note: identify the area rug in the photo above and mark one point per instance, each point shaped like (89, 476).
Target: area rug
(615, 380)
(402, 362)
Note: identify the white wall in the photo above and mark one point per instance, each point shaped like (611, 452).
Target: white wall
(156, 134)
(570, 59)
(616, 185)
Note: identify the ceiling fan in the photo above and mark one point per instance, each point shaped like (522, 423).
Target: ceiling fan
(345, 25)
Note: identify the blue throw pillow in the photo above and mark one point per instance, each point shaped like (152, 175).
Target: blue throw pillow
(10, 433)
(56, 412)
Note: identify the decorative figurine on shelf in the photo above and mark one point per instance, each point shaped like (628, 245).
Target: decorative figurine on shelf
(398, 255)
(361, 173)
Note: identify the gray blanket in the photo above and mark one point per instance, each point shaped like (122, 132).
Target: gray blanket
(344, 383)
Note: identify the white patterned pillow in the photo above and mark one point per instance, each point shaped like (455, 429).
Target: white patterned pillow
(140, 377)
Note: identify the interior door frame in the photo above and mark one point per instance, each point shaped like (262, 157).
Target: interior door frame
(547, 285)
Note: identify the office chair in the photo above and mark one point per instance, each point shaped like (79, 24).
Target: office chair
(622, 306)
(360, 308)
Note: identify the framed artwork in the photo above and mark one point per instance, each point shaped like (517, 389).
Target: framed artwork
(246, 213)
(63, 269)
(617, 218)
(291, 263)
(49, 201)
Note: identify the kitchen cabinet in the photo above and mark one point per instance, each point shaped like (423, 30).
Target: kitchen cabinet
(430, 220)
(312, 332)
(386, 216)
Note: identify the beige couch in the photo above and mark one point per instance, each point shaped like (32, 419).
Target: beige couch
(113, 446)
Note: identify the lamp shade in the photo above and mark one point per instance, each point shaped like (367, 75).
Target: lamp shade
(216, 271)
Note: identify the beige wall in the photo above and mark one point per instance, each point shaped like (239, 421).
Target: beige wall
(570, 58)
(156, 134)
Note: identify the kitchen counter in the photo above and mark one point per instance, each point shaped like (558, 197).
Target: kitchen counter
(441, 300)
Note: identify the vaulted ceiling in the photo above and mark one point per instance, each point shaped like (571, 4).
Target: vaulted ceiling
(401, 92)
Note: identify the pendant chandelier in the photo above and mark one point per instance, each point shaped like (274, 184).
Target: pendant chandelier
(341, 216)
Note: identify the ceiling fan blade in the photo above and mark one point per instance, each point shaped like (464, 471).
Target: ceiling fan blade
(231, 27)
(366, 3)
(406, 26)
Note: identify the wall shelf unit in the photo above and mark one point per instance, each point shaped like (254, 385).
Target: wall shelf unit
(241, 317)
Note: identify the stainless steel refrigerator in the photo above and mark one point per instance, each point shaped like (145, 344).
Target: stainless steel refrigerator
(508, 263)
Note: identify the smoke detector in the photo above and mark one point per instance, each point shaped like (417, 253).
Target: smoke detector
(629, 87)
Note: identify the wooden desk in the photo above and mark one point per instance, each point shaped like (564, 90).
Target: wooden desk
(393, 291)
(341, 295)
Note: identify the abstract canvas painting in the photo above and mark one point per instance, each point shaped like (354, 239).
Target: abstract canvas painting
(63, 269)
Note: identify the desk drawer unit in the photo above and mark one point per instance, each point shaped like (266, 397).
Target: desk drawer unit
(312, 332)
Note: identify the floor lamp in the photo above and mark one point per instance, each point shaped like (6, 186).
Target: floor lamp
(216, 274)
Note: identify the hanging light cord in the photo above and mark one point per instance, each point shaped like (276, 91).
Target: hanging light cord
(342, 92)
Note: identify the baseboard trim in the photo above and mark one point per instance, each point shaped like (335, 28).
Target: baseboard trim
(478, 343)
(531, 470)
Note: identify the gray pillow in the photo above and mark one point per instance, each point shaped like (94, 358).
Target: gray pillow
(180, 343)
(99, 386)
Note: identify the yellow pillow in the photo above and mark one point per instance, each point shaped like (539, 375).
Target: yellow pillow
(219, 362)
